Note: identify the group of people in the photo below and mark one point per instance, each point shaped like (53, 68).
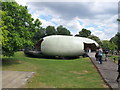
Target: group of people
(100, 54)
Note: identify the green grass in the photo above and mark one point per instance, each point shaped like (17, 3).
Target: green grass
(56, 73)
(114, 56)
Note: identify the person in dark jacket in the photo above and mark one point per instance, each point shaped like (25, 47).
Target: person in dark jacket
(106, 55)
(118, 70)
(96, 55)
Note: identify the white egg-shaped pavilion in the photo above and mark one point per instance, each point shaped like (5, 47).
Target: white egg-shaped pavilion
(68, 46)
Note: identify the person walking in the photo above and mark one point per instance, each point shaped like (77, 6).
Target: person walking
(96, 54)
(100, 55)
(118, 70)
(106, 55)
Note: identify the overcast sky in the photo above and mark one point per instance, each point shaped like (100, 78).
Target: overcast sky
(98, 17)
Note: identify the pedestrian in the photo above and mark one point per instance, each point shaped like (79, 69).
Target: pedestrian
(118, 70)
(96, 54)
(106, 55)
(114, 59)
(112, 52)
(89, 50)
(100, 52)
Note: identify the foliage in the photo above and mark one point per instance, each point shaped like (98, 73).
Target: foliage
(39, 31)
(62, 31)
(50, 30)
(87, 33)
(118, 37)
(114, 56)
(17, 28)
(37, 23)
(108, 45)
(84, 33)
(118, 19)
(95, 38)
(116, 40)
(39, 34)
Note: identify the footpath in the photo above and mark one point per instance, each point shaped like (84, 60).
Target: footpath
(108, 71)
(14, 79)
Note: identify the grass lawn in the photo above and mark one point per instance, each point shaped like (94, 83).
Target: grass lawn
(56, 73)
(114, 56)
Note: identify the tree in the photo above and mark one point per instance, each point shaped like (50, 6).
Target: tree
(118, 19)
(37, 24)
(39, 31)
(50, 30)
(95, 38)
(108, 45)
(84, 33)
(116, 40)
(62, 31)
(17, 28)
(118, 36)
(39, 34)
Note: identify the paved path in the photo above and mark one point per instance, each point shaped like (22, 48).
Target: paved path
(108, 71)
(15, 79)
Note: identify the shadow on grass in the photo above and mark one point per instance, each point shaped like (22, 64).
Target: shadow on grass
(51, 57)
(38, 54)
(9, 61)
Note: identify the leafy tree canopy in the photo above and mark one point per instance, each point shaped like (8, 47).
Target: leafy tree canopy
(17, 27)
(95, 38)
(109, 45)
(39, 31)
(39, 34)
(62, 31)
(50, 30)
(118, 19)
(84, 33)
(116, 40)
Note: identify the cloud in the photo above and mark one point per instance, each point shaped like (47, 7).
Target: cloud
(99, 17)
(69, 10)
(23, 2)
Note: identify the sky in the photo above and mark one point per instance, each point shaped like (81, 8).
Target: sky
(100, 17)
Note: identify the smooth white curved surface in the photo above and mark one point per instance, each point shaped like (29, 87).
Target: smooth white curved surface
(59, 45)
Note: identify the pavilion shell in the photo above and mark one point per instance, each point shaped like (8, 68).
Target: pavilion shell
(60, 45)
